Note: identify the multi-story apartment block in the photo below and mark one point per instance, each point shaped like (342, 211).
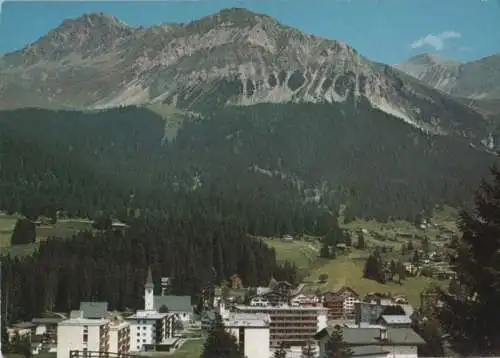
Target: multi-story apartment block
(82, 334)
(149, 328)
(251, 332)
(119, 336)
(293, 326)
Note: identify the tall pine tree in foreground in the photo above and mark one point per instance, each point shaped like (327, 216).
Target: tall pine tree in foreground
(472, 320)
(336, 347)
(219, 343)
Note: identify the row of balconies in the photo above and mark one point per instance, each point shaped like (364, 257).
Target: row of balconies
(294, 319)
(301, 326)
(294, 330)
(292, 336)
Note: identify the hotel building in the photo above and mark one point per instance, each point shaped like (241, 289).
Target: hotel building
(293, 326)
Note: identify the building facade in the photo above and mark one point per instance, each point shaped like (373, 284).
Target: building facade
(149, 328)
(251, 332)
(341, 303)
(119, 337)
(293, 326)
(82, 334)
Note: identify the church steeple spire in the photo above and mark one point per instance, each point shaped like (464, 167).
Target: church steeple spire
(148, 292)
(149, 279)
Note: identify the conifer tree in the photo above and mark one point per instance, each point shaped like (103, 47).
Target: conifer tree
(361, 241)
(374, 267)
(309, 350)
(472, 320)
(336, 347)
(5, 338)
(220, 343)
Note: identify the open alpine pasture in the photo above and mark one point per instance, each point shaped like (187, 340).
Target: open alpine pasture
(64, 228)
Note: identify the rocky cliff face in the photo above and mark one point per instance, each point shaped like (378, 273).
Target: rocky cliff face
(479, 80)
(232, 57)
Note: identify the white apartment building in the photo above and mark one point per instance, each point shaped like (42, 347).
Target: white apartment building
(251, 332)
(81, 334)
(293, 326)
(119, 336)
(149, 328)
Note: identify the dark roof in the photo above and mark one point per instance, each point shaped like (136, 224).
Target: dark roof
(23, 325)
(47, 320)
(174, 303)
(346, 288)
(369, 336)
(272, 294)
(286, 283)
(94, 309)
(37, 338)
(368, 351)
(333, 295)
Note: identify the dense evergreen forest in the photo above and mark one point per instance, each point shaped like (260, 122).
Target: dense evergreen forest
(112, 266)
(270, 164)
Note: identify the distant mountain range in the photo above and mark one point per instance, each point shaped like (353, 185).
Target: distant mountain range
(232, 57)
(475, 83)
(476, 79)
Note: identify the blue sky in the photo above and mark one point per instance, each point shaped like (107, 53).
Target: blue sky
(388, 31)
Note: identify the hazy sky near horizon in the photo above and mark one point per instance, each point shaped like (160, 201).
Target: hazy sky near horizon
(388, 31)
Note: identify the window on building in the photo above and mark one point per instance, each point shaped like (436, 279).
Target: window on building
(85, 338)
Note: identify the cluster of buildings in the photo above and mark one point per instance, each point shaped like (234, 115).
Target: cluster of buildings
(267, 319)
(93, 329)
(280, 315)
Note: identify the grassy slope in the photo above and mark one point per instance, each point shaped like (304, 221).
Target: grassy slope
(302, 253)
(63, 228)
(190, 349)
(348, 270)
(173, 117)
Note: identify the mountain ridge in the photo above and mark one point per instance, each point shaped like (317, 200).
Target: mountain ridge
(233, 57)
(478, 79)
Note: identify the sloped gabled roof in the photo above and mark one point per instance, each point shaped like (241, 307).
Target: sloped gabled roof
(173, 303)
(94, 309)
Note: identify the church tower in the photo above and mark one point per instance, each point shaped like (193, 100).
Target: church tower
(149, 292)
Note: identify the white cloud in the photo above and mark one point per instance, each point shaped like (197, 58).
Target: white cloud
(435, 41)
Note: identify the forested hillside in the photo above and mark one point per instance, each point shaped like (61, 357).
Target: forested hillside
(265, 162)
(112, 267)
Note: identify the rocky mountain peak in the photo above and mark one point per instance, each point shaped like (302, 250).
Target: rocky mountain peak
(425, 61)
(239, 17)
(475, 79)
(94, 32)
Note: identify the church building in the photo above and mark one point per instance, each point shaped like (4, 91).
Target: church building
(179, 305)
